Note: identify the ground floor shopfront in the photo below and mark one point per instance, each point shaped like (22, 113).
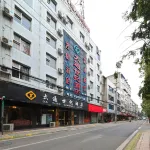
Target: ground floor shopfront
(31, 108)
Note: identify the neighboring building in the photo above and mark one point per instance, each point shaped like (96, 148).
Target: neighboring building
(50, 67)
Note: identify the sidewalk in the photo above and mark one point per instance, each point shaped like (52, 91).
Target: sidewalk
(36, 132)
(144, 141)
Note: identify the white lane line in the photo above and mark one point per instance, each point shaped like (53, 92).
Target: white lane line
(124, 144)
(91, 138)
(26, 145)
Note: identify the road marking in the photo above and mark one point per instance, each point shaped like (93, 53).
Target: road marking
(124, 144)
(91, 138)
(26, 145)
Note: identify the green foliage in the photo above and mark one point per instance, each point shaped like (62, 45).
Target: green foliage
(141, 13)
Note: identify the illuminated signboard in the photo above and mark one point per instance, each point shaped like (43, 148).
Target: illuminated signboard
(74, 69)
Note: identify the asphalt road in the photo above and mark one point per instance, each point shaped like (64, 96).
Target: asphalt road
(104, 137)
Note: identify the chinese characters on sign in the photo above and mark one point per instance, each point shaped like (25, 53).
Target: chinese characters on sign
(74, 69)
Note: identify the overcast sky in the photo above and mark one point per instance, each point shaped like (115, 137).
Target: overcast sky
(104, 17)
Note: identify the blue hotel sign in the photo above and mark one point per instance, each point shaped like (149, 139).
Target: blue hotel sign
(74, 69)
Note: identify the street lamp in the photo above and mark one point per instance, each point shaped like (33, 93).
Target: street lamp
(2, 112)
(118, 65)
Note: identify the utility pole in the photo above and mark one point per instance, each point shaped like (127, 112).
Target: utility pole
(2, 112)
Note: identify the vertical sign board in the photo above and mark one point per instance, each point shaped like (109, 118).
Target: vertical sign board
(74, 69)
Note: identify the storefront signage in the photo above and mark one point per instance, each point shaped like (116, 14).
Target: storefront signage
(95, 108)
(20, 93)
(30, 95)
(74, 69)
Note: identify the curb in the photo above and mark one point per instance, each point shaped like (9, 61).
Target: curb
(124, 144)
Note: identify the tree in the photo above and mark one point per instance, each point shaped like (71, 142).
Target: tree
(140, 13)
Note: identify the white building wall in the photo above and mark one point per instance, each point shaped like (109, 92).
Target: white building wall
(37, 36)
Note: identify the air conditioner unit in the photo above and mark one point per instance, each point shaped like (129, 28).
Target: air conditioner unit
(5, 43)
(8, 127)
(89, 73)
(89, 60)
(89, 87)
(60, 15)
(60, 51)
(60, 71)
(52, 124)
(6, 13)
(60, 32)
(65, 20)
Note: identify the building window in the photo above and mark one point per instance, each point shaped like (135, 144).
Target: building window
(91, 72)
(91, 97)
(98, 99)
(82, 37)
(98, 88)
(111, 98)
(118, 109)
(20, 71)
(51, 20)
(53, 4)
(21, 44)
(22, 18)
(91, 47)
(50, 82)
(98, 77)
(98, 57)
(91, 60)
(50, 40)
(111, 89)
(50, 61)
(98, 66)
(111, 106)
(70, 23)
(91, 84)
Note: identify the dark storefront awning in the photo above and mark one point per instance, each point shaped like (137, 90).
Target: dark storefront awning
(21, 93)
(95, 108)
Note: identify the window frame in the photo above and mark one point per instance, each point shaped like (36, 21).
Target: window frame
(20, 44)
(70, 22)
(50, 38)
(51, 57)
(22, 14)
(49, 84)
(20, 72)
(52, 19)
(55, 4)
(82, 37)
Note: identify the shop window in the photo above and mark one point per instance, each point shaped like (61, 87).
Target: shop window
(22, 18)
(51, 20)
(50, 40)
(50, 82)
(21, 44)
(50, 61)
(20, 71)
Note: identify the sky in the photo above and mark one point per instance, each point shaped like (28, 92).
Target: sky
(104, 17)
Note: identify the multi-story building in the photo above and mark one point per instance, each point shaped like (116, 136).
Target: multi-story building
(50, 69)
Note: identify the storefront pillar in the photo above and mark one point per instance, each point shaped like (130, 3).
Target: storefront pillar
(72, 117)
(57, 117)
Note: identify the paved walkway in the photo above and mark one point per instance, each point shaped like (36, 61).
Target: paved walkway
(144, 142)
(34, 132)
